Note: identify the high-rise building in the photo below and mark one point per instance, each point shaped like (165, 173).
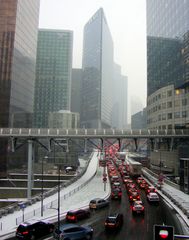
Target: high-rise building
(18, 44)
(119, 99)
(53, 74)
(167, 45)
(138, 120)
(76, 90)
(97, 73)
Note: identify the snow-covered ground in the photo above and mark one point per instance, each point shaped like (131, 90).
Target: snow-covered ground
(76, 195)
(175, 198)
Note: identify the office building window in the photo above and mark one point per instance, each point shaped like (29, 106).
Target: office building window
(177, 115)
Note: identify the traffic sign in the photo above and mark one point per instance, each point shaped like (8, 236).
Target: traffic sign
(163, 232)
(104, 179)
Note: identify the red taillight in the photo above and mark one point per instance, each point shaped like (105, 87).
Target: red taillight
(71, 217)
(148, 191)
(142, 208)
(120, 193)
(130, 197)
(25, 233)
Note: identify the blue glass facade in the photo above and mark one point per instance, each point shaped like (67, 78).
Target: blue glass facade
(97, 73)
(167, 26)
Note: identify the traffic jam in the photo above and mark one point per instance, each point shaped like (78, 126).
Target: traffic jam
(123, 182)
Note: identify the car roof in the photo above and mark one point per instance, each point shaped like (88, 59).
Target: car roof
(32, 221)
(96, 199)
(153, 193)
(67, 226)
(114, 215)
(75, 210)
(138, 202)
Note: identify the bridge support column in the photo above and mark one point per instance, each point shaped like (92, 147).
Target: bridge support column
(30, 168)
(136, 144)
(171, 144)
(85, 145)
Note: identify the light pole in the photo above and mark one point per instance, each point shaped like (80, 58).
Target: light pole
(59, 167)
(42, 185)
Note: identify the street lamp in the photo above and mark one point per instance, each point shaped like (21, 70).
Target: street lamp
(59, 167)
(46, 157)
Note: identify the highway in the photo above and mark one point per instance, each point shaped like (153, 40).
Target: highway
(134, 227)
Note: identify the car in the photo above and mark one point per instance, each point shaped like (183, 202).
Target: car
(150, 189)
(139, 180)
(116, 193)
(34, 229)
(138, 208)
(133, 196)
(133, 190)
(73, 231)
(114, 221)
(153, 197)
(114, 178)
(126, 178)
(75, 215)
(98, 203)
(116, 185)
(143, 185)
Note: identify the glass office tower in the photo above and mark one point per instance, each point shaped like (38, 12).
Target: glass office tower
(18, 44)
(167, 27)
(53, 74)
(97, 73)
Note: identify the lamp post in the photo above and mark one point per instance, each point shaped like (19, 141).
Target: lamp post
(59, 167)
(42, 185)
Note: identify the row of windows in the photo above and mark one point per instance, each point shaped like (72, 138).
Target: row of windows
(168, 116)
(160, 96)
(162, 106)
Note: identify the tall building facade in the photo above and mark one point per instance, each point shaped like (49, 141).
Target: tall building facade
(119, 99)
(53, 74)
(97, 68)
(167, 44)
(138, 120)
(76, 90)
(18, 44)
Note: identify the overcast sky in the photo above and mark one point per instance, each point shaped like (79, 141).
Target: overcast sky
(127, 23)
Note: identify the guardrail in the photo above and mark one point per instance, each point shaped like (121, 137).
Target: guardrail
(15, 207)
(178, 201)
(124, 133)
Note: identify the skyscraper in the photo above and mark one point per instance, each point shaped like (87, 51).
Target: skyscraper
(53, 74)
(97, 73)
(167, 54)
(18, 43)
(76, 92)
(119, 99)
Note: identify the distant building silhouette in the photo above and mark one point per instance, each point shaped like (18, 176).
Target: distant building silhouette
(119, 99)
(139, 120)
